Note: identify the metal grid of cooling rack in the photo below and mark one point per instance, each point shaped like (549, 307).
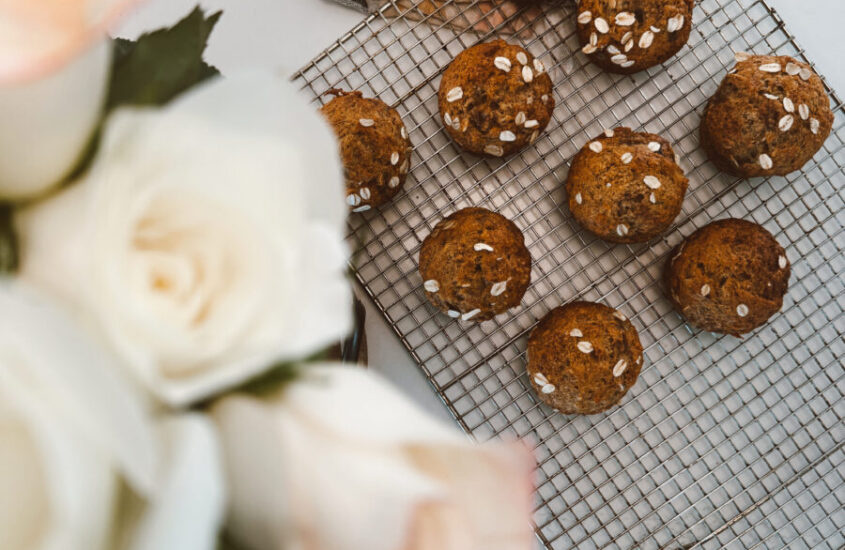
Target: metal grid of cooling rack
(722, 443)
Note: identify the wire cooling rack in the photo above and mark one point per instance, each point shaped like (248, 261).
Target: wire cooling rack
(723, 442)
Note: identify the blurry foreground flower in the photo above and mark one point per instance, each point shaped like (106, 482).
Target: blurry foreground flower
(340, 460)
(54, 69)
(206, 241)
(73, 434)
(185, 508)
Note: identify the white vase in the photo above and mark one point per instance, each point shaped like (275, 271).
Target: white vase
(46, 122)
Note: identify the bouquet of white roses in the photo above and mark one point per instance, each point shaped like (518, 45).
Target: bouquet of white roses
(182, 236)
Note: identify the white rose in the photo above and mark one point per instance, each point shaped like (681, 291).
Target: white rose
(339, 460)
(54, 71)
(69, 428)
(74, 436)
(206, 243)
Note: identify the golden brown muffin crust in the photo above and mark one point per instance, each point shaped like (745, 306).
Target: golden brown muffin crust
(626, 36)
(495, 98)
(475, 265)
(626, 187)
(374, 148)
(583, 357)
(728, 277)
(769, 116)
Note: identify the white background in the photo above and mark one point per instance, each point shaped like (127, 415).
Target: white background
(284, 34)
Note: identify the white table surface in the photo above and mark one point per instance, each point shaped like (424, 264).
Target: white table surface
(285, 34)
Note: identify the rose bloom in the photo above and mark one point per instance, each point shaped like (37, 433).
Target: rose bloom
(206, 242)
(76, 440)
(54, 71)
(339, 460)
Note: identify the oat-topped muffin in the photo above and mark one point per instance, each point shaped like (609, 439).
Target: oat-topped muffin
(374, 147)
(495, 98)
(728, 277)
(626, 36)
(769, 117)
(626, 187)
(583, 358)
(474, 265)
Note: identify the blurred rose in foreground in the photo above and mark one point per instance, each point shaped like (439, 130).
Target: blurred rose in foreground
(76, 439)
(339, 460)
(69, 428)
(54, 69)
(184, 510)
(206, 241)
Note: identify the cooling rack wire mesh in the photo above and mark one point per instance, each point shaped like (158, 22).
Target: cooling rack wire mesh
(723, 442)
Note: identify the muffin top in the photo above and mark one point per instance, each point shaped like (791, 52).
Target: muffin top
(770, 115)
(374, 148)
(728, 277)
(495, 98)
(474, 265)
(625, 186)
(583, 357)
(626, 36)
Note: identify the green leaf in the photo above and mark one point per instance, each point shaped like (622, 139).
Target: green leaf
(162, 64)
(270, 381)
(157, 67)
(8, 241)
(224, 543)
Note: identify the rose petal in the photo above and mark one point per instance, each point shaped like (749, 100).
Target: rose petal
(339, 437)
(273, 109)
(186, 509)
(80, 382)
(318, 484)
(37, 37)
(330, 398)
(72, 419)
(490, 495)
(48, 122)
(62, 488)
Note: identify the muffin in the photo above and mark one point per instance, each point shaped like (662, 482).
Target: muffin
(769, 117)
(626, 187)
(583, 358)
(728, 277)
(626, 36)
(495, 98)
(474, 265)
(374, 148)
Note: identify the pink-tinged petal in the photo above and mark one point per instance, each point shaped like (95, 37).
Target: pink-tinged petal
(331, 397)
(490, 498)
(48, 121)
(340, 437)
(292, 487)
(38, 36)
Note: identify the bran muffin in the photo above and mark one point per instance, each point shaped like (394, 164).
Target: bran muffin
(728, 277)
(583, 358)
(474, 265)
(769, 117)
(495, 98)
(374, 148)
(627, 36)
(625, 186)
